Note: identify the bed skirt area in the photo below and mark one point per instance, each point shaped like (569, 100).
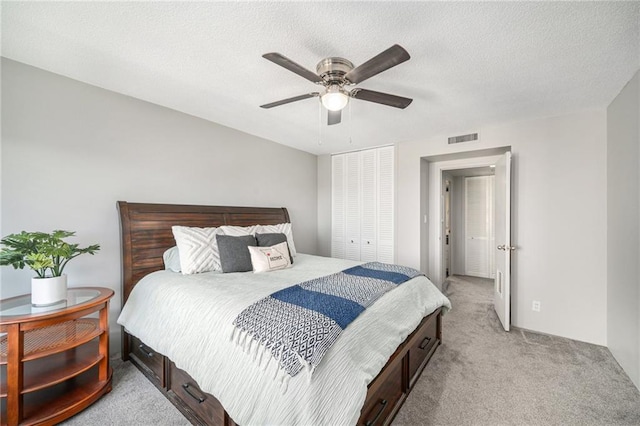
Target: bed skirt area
(385, 394)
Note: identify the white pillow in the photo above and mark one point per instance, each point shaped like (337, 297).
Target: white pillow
(284, 228)
(198, 249)
(266, 259)
(171, 258)
(238, 231)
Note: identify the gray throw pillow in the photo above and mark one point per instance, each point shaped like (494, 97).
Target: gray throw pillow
(234, 254)
(269, 240)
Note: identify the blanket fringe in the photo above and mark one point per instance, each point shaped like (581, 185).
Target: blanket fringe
(260, 353)
(268, 360)
(263, 356)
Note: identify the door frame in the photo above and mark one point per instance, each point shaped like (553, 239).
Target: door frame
(436, 263)
(448, 248)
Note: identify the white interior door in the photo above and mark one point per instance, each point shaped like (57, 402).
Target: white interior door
(502, 287)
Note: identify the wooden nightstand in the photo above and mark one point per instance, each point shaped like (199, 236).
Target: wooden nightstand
(54, 361)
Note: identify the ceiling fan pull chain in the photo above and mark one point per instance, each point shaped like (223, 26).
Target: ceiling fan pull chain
(350, 125)
(319, 122)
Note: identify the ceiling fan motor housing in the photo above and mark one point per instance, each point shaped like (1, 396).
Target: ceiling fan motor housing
(333, 70)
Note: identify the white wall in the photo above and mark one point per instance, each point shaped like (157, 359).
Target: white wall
(71, 150)
(623, 222)
(558, 218)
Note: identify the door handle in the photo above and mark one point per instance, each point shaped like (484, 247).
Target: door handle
(506, 247)
(501, 247)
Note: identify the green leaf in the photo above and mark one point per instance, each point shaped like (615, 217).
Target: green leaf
(41, 251)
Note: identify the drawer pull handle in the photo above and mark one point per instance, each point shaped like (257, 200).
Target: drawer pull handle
(148, 352)
(425, 342)
(188, 390)
(383, 405)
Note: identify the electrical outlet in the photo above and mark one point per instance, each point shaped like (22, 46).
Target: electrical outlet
(535, 306)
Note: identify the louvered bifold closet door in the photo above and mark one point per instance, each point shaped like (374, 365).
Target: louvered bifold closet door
(369, 219)
(477, 229)
(385, 200)
(353, 211)
(338, 207)
(362, 210)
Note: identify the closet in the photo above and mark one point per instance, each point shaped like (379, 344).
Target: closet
(479, 226)
(362, 205)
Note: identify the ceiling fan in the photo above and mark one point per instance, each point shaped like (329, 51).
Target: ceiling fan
(335, 74)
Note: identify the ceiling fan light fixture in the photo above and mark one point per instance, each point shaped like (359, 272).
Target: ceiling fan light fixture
(335, 98)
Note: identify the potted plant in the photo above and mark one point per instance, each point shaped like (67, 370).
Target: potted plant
(47, 255)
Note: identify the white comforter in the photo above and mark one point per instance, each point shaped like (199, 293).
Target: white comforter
(189, 319)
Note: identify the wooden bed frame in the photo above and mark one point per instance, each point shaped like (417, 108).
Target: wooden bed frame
(146, 234)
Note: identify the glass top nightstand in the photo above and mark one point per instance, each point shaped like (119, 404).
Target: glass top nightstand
(54, 360)
(21, 305)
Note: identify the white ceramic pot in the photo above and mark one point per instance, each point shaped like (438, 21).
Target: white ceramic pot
(47, 291)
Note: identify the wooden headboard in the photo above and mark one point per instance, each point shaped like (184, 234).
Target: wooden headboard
(146, 231)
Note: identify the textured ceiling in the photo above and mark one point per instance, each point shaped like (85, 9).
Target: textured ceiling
(471, 63)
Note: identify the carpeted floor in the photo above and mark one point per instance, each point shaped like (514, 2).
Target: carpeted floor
(133, 401)
(480, 375)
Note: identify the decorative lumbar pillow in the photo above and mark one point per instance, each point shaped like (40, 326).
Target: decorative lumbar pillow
(284, 228)
(268, 240)
(234, 255)
(197, 248)
(171, 258)
(266, 259)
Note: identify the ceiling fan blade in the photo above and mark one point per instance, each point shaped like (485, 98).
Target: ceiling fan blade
(287, 63)
(334, 117)
(389, 58)
(380, 98)
(289, 100)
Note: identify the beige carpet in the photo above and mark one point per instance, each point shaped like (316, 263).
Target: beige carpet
(482, 375)
(479, 376)
(133, 401)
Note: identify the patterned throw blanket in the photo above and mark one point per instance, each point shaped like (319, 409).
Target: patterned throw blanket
(296, 326)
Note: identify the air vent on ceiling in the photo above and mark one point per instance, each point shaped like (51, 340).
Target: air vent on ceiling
(463, 138)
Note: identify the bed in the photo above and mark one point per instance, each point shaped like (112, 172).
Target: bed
(355, 383)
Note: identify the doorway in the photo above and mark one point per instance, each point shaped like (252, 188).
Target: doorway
(469, 234)
(437, 259)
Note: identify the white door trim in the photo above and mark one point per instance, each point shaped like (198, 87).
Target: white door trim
(436, 263)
